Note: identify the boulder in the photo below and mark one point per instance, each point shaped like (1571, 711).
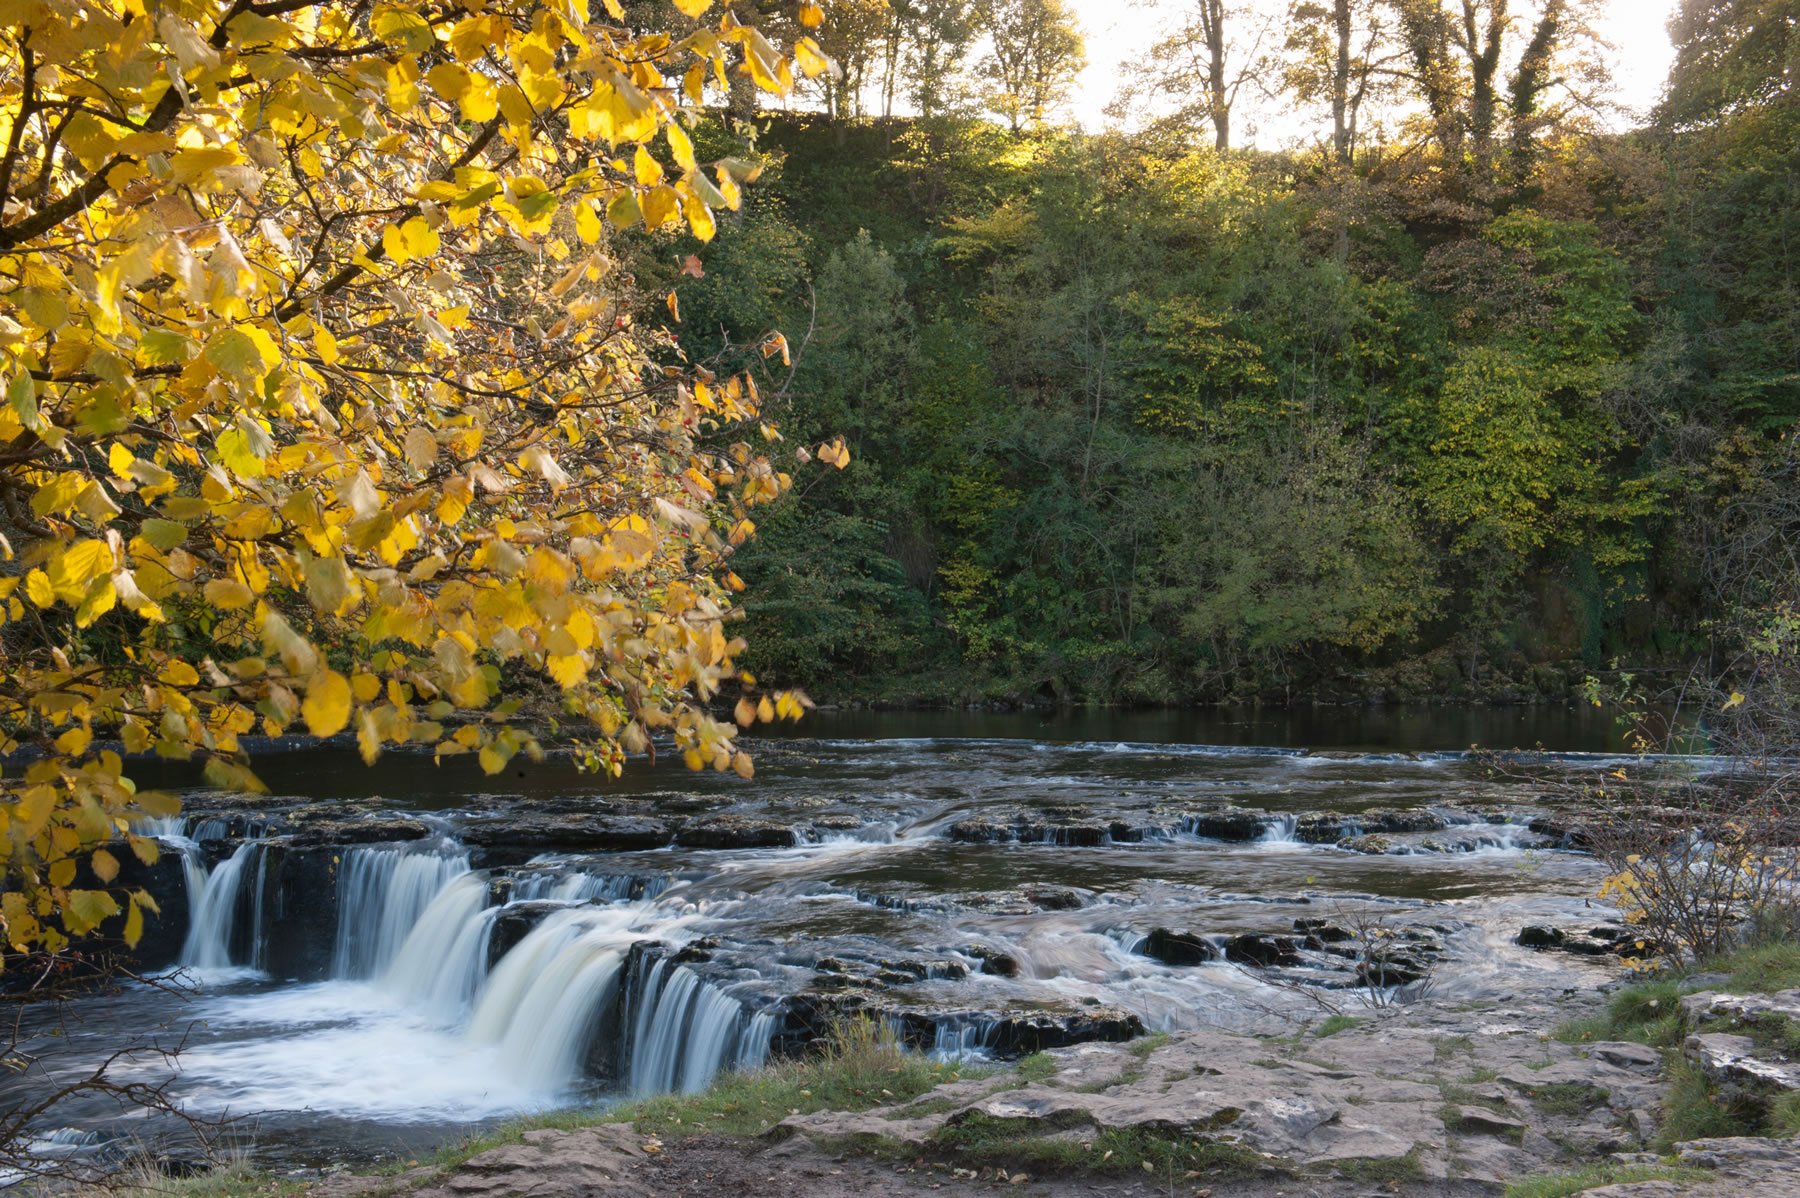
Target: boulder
(735, 832)
(1178, 948)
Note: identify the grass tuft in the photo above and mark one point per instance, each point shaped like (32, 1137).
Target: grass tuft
(1562, 1185)
(1335, 1024)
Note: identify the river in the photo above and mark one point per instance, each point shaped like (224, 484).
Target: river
(380, 959)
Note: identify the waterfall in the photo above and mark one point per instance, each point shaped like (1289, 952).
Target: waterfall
(684, 1030)
(382, 894)
(442, 962)
(545, 999)
(1281, 831)
(213, 907)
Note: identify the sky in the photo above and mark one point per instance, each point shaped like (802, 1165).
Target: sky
(1118, 31)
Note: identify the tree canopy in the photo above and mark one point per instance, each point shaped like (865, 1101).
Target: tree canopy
(328, 406)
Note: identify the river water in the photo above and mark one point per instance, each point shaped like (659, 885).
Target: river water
(985, 884)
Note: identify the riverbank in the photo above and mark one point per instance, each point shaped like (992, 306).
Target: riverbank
(1529, 1097)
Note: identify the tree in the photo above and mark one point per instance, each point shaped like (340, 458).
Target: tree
(856, 34)
(930, 43)
(1034, 53)
(1214, 54)
(1731, 55)
(1458, 52)
(326, 410)
(1341, 53)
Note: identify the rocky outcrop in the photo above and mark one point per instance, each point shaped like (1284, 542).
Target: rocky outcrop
(1389, 1098)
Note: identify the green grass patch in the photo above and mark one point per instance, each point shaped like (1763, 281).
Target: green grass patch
(1036, 1067)
(1335, 1024)
(1568, 1098)
(1443, 1048)
(1143, 1046)
(1387, 1172)
(1648, 1013)
(861, 1067)
(233, 1179)
(1691, 1111)
(1562, 1185)
(1762, 967)
(1784, 1116)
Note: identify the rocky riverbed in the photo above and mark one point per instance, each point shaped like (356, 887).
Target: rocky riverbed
(382, 960)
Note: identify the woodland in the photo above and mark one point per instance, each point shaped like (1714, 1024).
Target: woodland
(1466, 393)
(449, 375)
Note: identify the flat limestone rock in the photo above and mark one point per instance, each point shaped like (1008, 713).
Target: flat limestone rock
(1732, 1060)
(1741, 1008)
(553, 1164)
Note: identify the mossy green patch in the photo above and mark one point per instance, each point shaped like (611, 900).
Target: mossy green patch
(1562, 1185)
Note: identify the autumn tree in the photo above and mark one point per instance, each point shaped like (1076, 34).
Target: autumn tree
(1203, 66)
(1035, 50)
(1340, 54)
(926, 53)
(327, 407)
(1492, 75)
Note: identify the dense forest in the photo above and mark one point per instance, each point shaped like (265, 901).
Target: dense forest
(1470, 396)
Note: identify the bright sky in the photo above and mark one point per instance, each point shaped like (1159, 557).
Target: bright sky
(1121, 31)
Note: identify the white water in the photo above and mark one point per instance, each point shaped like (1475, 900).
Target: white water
(382, 893)
(213, 908)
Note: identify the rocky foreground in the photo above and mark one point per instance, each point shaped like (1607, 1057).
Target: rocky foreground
(1426, 1100)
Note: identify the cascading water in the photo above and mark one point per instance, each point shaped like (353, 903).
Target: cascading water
(214, 909)
(382, 895)
(685, 1030)
(443, 960)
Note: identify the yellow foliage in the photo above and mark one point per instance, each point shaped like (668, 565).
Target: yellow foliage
(267, 405)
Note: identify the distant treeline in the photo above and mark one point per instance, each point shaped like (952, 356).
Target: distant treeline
(1474, 411)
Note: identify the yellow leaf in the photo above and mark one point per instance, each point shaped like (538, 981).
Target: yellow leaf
(327, 706)
(104, 865)
(229, 594)
(693, 8)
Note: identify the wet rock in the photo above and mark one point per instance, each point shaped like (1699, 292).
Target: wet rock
(1322, 931)
(1178, 948)
(698, 950)
(1592, 942)
(1256, 949)
(1374, 846)
(301, 897)
(1055, 898)
(354, 831)
(514, 922)
(993, 961)
(1227, 823)
(526, 835)
(735, 832)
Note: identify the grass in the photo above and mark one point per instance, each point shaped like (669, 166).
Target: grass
(1760, 968)
(1443, 1048)
(1691, 1111)
(1036, 1068)
(983, 1140)
(1335, 1024)
(1562, 1185)
(1143, 1046)
(1568, 1098)
(862, 1066)
(1647, 1013)
(1387, 1172)
(235, 1179)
